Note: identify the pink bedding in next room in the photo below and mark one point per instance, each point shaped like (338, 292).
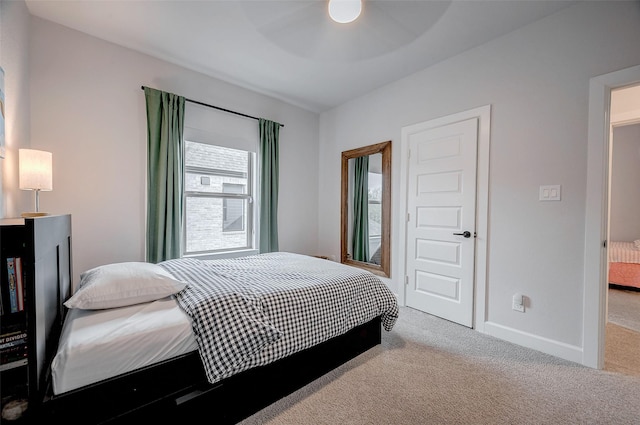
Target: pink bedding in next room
(624, 264)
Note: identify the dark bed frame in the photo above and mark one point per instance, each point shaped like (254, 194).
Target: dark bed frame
(623, 287)
(177, 390)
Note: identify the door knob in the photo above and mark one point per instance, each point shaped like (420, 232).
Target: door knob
(466, 234)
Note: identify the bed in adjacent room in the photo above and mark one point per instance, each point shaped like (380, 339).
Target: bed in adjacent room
(624, 264)
(225, 337)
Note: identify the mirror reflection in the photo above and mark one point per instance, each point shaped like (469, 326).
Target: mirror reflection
(365, 221)
(366, 207)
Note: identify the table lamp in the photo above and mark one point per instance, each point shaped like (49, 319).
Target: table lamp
(35, 174)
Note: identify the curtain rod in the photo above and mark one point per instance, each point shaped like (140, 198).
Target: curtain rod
(221, 109)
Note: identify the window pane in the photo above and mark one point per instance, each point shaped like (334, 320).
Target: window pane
(375, 206)
(205, 225)
(375, 187)
(219, 222)
(375, 211)
(233, 209)
(215, 157)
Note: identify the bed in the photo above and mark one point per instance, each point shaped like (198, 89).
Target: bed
(238, 335)
(624, 265)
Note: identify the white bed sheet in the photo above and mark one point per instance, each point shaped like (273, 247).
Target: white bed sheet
(99, 344)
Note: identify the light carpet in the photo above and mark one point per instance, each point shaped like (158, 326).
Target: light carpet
(431, 371)
(622, 350)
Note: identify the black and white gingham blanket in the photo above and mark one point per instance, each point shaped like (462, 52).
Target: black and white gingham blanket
(253, 310)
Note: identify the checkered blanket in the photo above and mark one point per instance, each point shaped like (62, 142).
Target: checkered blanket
(253, 310)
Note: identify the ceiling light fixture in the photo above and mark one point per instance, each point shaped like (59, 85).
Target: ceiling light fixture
(345, 11)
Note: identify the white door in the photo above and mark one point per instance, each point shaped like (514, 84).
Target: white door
(440, 233)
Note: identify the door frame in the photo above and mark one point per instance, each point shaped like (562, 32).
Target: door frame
(483, 113)
(597, 212)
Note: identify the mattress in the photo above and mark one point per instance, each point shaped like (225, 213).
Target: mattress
(623, 252)
(119, 340)
(236, 313)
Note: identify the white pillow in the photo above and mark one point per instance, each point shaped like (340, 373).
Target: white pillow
(637, 243)
(122, 284)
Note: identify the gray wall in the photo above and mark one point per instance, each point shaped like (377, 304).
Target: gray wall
(88, 109)
(624, 217)
(14, 60)
(536, 80)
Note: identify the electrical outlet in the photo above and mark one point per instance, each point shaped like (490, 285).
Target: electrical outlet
(518, 303)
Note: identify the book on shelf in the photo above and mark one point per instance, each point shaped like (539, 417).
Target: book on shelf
(13, 354)
(16, 284)
(13, 346)
(19, 283)
(11, 339)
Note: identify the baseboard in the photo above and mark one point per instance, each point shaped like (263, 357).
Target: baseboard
(535, 342)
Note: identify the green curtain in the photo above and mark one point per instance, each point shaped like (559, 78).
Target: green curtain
(269, 170)
(360, 238)
(165, 126)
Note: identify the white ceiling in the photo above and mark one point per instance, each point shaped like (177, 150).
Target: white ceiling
(290, 49)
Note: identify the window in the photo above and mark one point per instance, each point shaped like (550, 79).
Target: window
(375, 211)
(218, 199)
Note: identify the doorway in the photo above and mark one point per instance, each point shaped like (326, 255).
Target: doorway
(597, 212)
(622, 331)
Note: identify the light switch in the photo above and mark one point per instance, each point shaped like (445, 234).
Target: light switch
(550, 193)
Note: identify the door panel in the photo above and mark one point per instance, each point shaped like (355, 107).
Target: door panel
(441, 201)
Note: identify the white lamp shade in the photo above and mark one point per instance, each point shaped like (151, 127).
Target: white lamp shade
(35, 169)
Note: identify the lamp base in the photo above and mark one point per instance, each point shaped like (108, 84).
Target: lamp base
(33, 214)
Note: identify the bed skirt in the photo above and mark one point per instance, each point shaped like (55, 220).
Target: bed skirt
(624, 274)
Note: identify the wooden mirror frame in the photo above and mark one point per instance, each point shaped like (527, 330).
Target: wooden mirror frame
(384, 269)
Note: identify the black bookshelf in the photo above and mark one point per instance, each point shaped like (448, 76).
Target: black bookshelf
(31, 288)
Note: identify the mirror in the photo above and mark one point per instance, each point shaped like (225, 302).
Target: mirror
(365, 211)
